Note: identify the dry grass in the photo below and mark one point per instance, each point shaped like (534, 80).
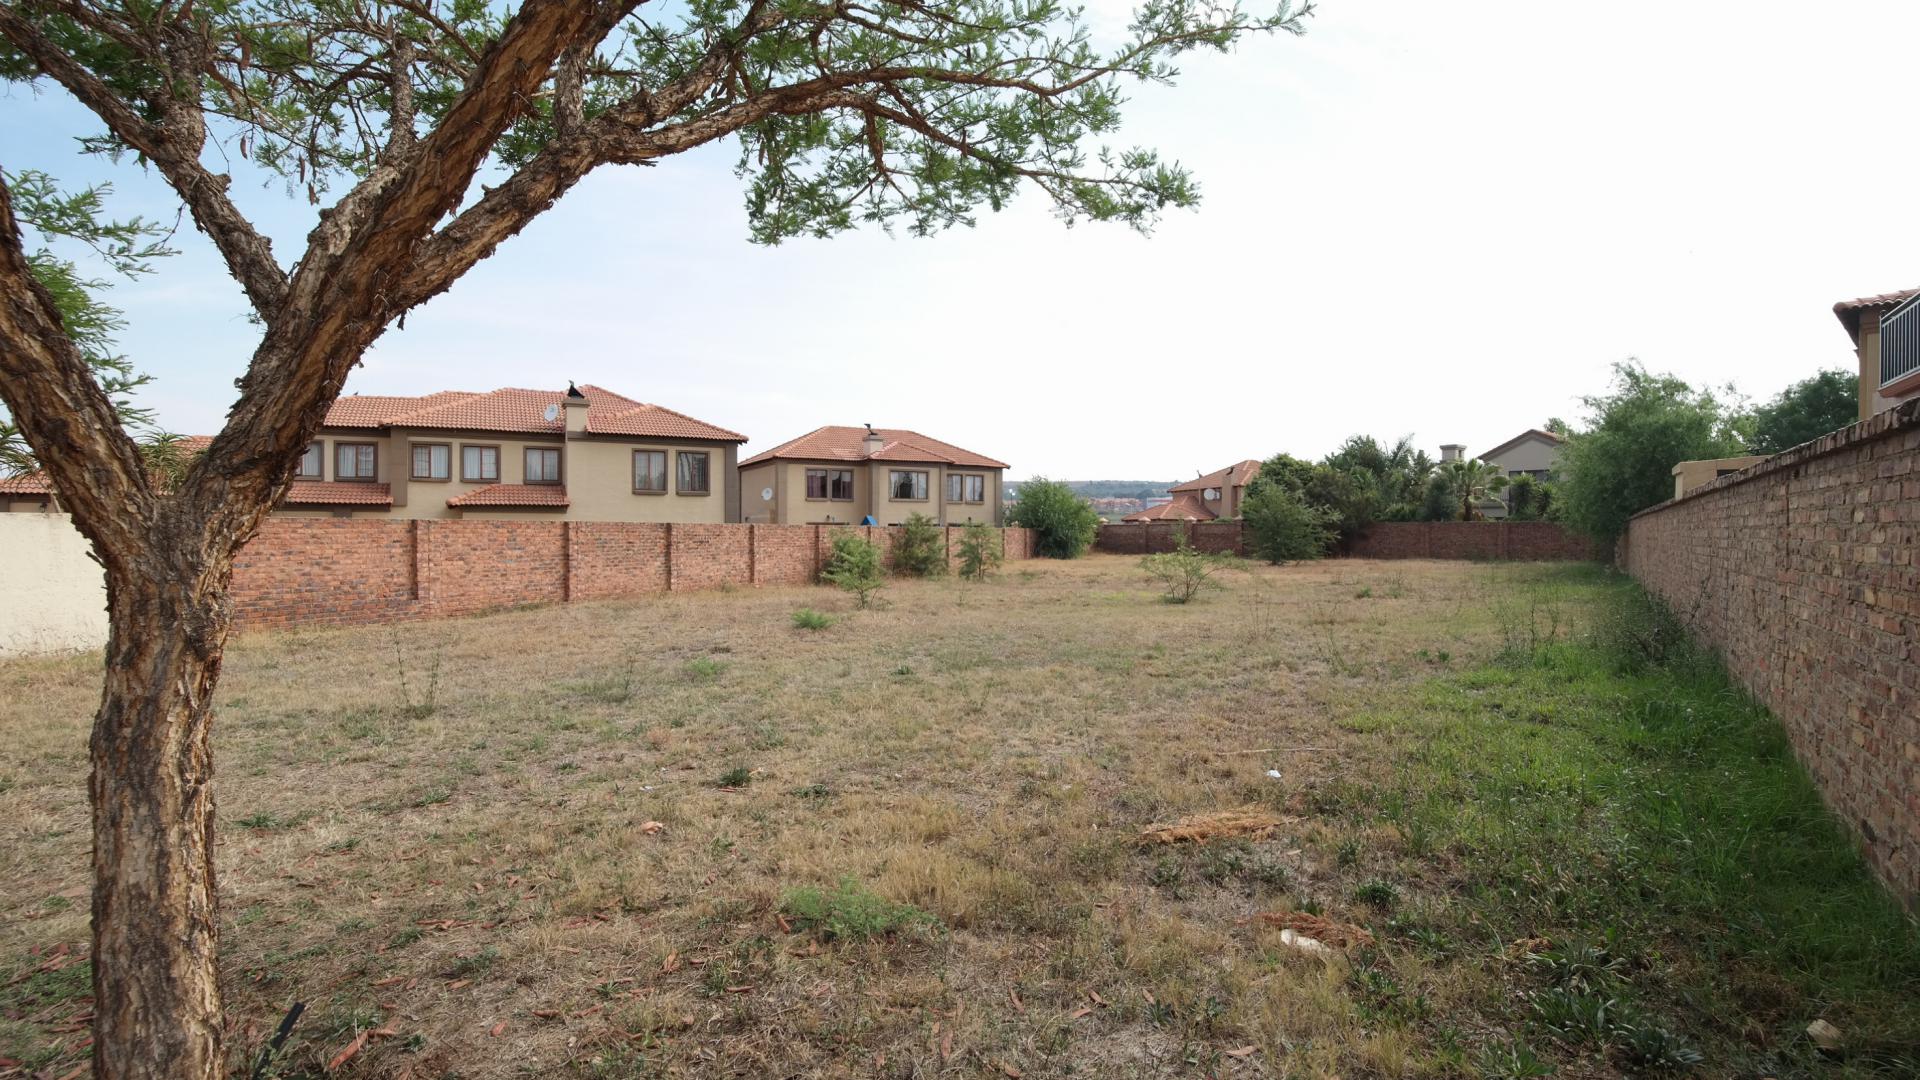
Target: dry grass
(453, 831)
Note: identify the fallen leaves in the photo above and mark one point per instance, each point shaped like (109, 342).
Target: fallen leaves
(1222, 824)
(346, 1053)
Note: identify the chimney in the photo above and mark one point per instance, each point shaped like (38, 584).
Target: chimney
(576, 409)
(1452, 451)
(873, 441)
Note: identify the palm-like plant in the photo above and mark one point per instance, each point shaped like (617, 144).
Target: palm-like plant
(1471, 481)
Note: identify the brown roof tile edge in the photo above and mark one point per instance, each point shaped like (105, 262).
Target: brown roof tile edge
(1902, 417)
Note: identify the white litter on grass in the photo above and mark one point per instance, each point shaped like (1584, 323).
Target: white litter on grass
(1273, 774)
(1310, 946)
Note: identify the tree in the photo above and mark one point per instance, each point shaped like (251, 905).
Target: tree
(1529, 499)
(920, 549)
(1623, 462)
(888, 112)
(1281, 527)
(979, 551)
(1063, 524)
(1810, 408)
(1471, 480)
(855, 566)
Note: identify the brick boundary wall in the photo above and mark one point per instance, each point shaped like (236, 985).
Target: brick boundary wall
(1383, 540)
(1803, 573)
(350, 571)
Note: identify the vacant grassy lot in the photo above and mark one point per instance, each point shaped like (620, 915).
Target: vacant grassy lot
(693, 837)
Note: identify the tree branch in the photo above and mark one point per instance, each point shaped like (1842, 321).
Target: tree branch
(54, 398)
(248, 254)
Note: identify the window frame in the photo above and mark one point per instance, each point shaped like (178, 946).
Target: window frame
(925, 485)
(467, 478)
(373, 471)
(828, 475)
(707, 468)
(413, 462)
(962, 481)
(319, 448)
(666, 476)
(559, 466)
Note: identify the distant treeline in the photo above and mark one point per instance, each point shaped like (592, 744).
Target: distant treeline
(1120, 489)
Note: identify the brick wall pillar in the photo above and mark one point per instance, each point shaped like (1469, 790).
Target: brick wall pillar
(666, 544)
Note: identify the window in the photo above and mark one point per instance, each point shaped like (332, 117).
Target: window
(543, 466)
(355, 461)
(432, 461)
(835, 484)
(650, 471)
(312, 462)
(907, 486)
(693, 472)
(963, 488)
(480, 464)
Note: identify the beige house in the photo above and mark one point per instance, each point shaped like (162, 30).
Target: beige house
(1215, 496)
(1691, 474)
(1886, 341)
(1534, 452)
(844, 475)
(583, 454)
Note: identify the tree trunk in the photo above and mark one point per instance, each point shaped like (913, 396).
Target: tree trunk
(155, 981)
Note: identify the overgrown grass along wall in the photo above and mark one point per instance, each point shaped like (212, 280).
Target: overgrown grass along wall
(1633, 832)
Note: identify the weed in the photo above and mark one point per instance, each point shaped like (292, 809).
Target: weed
(809, 619)
(851, 911)
(1377, 893)
(1644, 1046)
(812, 791)
(737, 777)
(705, 668)
(1364, 593)
(1512, 1061)
(473, 963)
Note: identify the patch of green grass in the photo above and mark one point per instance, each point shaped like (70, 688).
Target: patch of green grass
(809, 619)
(737, 777)
(851, 911)
(1614, 793)
(705, 668)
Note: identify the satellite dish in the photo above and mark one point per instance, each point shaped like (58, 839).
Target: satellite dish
(553, 412)
(1211, 494)
(766, 494)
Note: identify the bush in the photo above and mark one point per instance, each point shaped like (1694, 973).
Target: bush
(1183, 572)
(920, 549)
(808, 619)
(851, 911)
(854, 566)
(979, 552)
(1063, 523)
(1281, 527)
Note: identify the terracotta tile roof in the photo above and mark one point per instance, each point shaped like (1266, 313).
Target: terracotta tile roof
(522, 412)
(377, 410)
(1182, 508)
(1239, 474)
(897, 444)
(328, 493)
(1510, 443)
(1849, 311)
(514, 495)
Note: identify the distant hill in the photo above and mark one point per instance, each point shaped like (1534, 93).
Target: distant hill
(1117, 489)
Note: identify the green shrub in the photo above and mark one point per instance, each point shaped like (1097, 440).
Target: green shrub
(920, 549)
(808, 619)
(1063, 523)
(1281, 527)
(851, 911)
(854, 566)
(737, 777)
(1183, 572)
(979, 552)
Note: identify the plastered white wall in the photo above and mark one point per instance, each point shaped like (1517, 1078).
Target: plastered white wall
(53, 597)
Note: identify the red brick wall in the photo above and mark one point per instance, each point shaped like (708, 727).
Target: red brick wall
(1804, 574)
(343, 571)
(1385, 540)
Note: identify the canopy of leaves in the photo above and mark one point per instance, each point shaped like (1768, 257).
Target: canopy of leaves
(1471, 481)
(1358, 484)
(1282, 527)
(1623, 462)
(1808, 409)
(1063, 523)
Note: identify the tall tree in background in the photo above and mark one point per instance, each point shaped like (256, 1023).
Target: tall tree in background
(888, 111)
(1808, 409)
(1471, 481)
(1623, 462)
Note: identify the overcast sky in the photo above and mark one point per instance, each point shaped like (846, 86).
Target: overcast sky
(1443, 220)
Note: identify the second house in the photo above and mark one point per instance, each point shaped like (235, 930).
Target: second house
(843, 475)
